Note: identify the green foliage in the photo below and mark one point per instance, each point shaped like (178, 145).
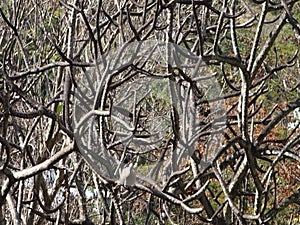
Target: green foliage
(289, 215)
(59, 109)
(160, 92)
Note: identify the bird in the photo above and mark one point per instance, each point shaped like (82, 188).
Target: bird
(127, 175)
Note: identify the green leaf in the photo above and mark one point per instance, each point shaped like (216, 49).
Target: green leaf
(59, 108)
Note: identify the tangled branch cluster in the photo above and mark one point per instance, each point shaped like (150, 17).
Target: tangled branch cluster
(54, 61)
